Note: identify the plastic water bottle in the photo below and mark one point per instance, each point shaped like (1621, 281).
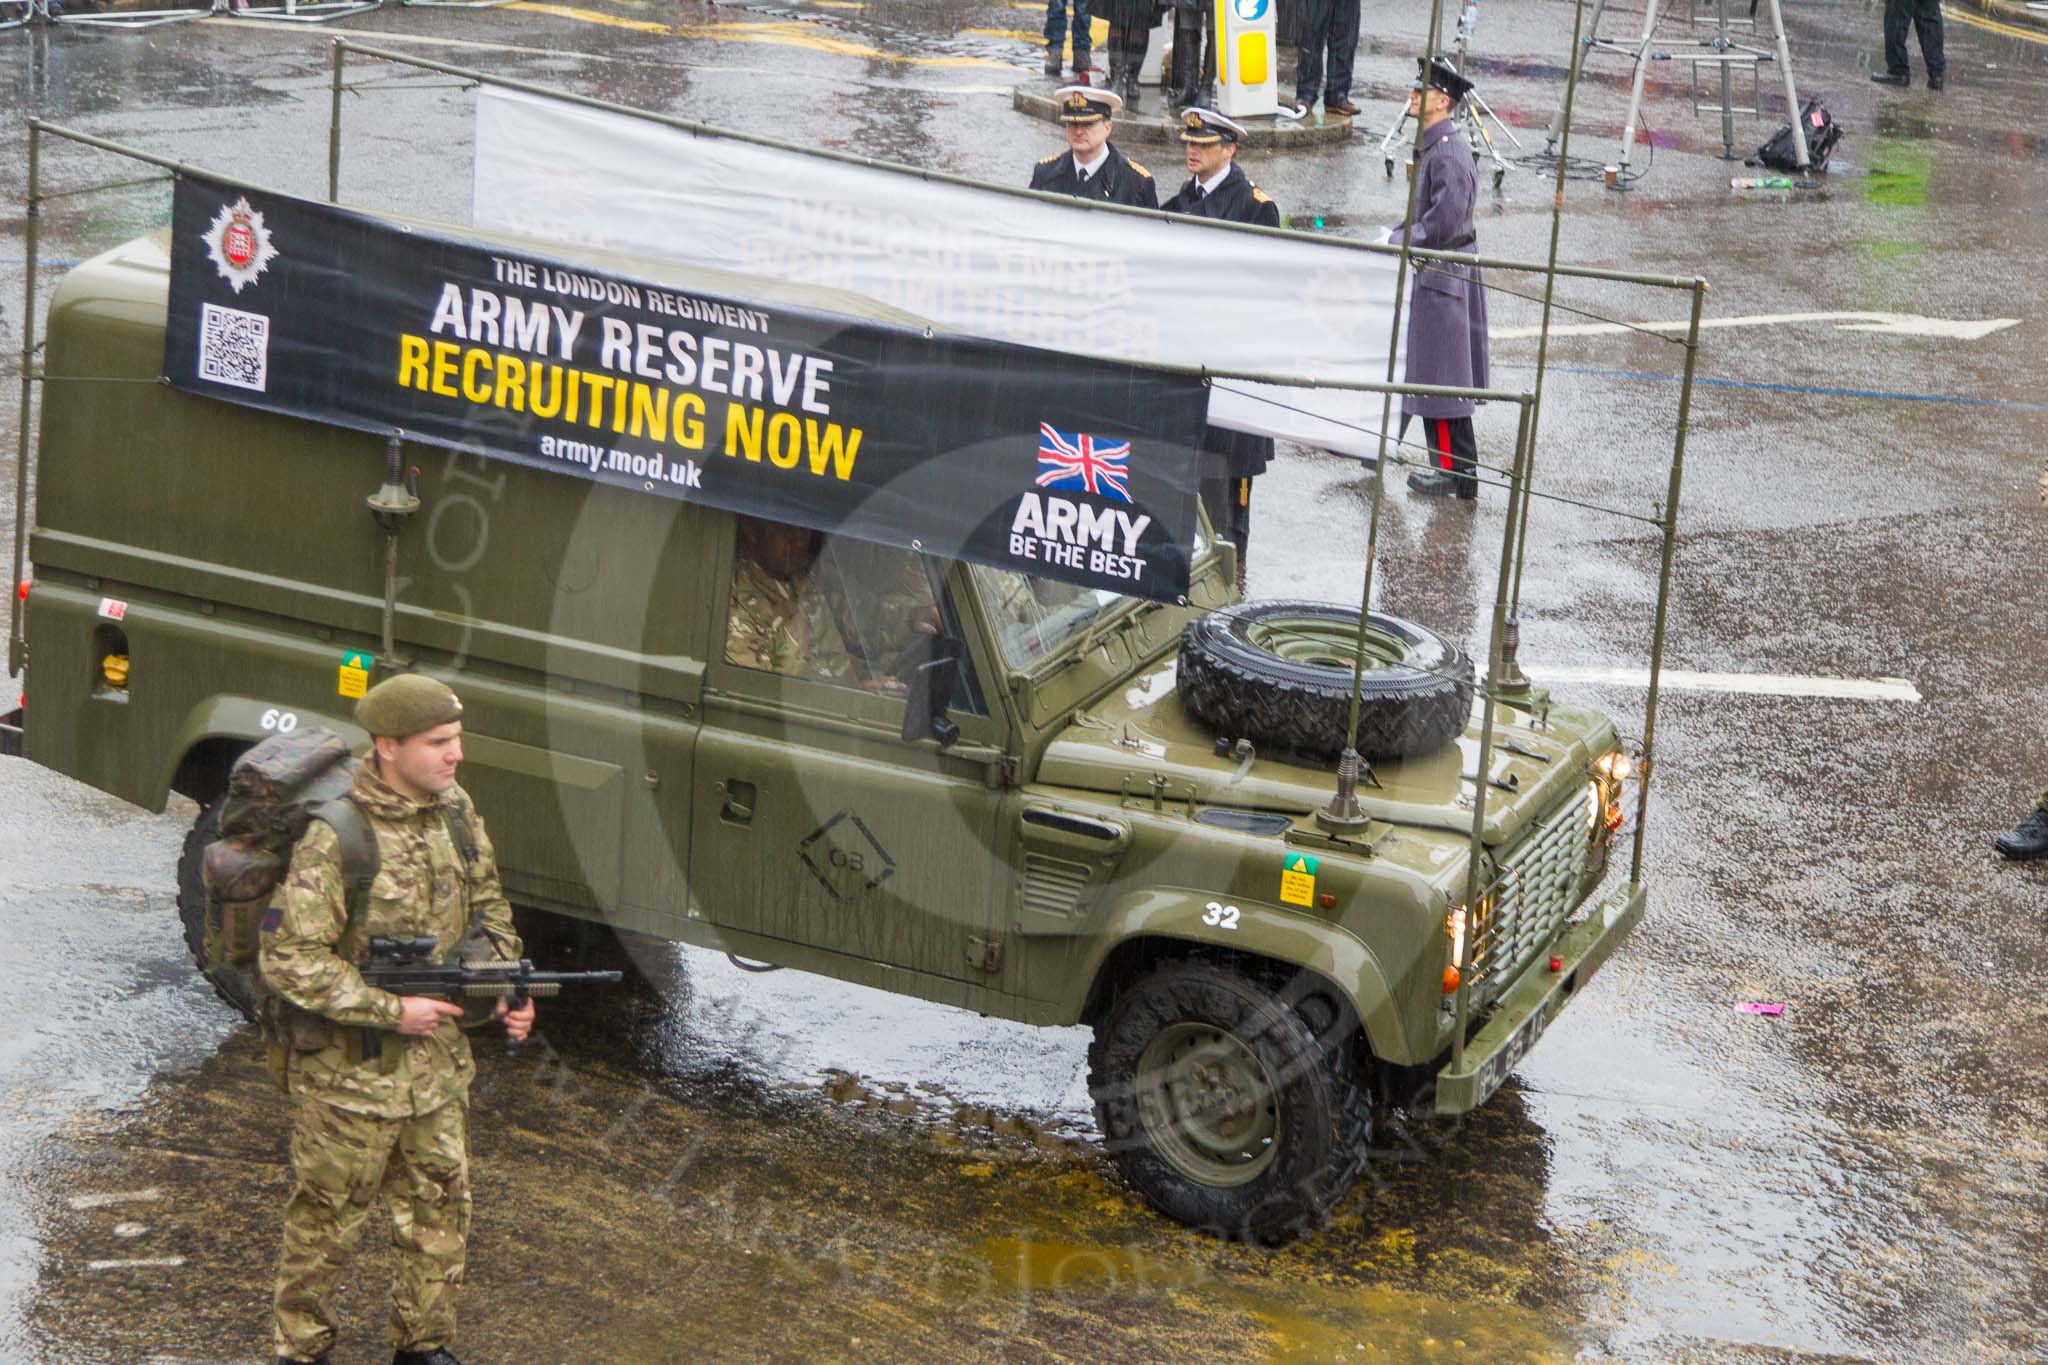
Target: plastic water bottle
(1761, 182)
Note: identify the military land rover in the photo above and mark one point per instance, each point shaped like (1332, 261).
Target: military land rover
(1046, 803)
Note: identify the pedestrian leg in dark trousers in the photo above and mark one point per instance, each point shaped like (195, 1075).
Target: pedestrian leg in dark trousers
(1228, 501)
(1056, 36)
(1194, 61)
(1343, 43)
(1314, 37)
(1924, 17)
(1454, 456)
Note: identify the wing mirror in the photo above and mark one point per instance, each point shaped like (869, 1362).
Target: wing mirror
(931, 683)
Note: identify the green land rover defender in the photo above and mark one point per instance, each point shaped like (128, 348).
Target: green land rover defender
(1016, 797)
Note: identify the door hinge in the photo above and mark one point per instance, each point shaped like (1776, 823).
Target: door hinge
(985, 954)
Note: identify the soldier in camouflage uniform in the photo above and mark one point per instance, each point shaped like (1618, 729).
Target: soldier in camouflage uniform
(775, 625)
(381, 1082)
(2030, 838)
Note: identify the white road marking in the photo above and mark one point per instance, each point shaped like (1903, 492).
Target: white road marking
(1890, 324)
(143, 1263)
(1746, 684)
(100, 1201)
(130, 1229)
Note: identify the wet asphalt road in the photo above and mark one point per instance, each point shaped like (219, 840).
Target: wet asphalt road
(744, 1166)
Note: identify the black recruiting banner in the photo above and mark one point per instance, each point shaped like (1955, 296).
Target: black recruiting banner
(1056, 465)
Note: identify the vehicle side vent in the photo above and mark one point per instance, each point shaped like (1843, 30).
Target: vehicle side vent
(1071, 824)
(1053, 886)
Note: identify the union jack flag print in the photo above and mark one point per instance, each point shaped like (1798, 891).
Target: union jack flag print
(1074, 459)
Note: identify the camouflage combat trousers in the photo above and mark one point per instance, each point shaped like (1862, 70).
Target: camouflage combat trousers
(340, 1161)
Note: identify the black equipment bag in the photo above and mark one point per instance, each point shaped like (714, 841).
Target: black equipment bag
(1822, 133)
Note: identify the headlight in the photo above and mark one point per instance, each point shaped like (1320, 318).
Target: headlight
(1454, 925)
(1616, 766)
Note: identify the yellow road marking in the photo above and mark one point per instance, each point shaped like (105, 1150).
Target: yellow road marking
(779, 32)
(2029, 35)
(591, 16)
(1098, 32)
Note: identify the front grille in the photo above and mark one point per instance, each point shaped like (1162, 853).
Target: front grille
(1521, 914)
(1053, 886)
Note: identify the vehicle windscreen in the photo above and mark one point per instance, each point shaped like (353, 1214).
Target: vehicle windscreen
(1034, 616)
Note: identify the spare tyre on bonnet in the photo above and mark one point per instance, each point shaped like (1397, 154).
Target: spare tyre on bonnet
(1280, 674)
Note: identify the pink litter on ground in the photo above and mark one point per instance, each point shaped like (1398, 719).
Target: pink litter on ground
(1759, 1007)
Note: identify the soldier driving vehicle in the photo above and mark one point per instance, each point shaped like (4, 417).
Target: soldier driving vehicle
(1096, 797)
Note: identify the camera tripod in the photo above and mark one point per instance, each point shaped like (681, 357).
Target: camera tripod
(1472, 114)
(1718, 51)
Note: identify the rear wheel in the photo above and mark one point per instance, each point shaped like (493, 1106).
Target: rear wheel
(237, 986)
(1227, 1108)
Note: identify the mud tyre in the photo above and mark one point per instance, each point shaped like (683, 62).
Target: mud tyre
(1279, 674)
(233, 985)
(1228, 1108)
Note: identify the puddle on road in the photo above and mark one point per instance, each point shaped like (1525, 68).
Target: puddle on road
(1308, 1321)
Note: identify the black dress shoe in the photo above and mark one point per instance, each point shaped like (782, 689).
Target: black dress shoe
(2028, 840)
(1891, 78)
(440, 1355)
(1441, 483)
(1052, 63)
(287, 1360)
(1936, 82)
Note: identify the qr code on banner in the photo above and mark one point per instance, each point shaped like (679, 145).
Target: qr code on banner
(234, 347)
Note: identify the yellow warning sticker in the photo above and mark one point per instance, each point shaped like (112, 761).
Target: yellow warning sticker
(1298, 880)
(353, 678)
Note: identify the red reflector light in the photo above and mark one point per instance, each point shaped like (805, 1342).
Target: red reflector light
(1556, 963)
(21, 588)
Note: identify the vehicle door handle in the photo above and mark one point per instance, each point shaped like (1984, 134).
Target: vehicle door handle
(739, 801)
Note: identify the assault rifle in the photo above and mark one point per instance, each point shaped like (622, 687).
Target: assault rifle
(405, 966)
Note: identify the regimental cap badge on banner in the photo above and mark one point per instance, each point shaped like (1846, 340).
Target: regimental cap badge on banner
(239, 244)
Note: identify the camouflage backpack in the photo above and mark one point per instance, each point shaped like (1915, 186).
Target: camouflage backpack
(274, 791)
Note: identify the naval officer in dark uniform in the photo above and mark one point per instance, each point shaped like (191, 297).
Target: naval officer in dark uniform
(1092, 167)
(1447, 308)
(1216, 188)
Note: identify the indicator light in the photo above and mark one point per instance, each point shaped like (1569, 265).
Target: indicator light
(1556, 963)
(1450, 980)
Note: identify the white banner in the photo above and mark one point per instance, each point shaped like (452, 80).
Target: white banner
(1174, 291)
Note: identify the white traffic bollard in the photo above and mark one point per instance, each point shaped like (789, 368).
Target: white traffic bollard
(1248, 58)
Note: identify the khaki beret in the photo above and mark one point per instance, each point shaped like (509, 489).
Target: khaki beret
(406, 705)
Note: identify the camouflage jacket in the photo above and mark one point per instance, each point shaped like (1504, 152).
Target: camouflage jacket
(310, 958)
(778, 626)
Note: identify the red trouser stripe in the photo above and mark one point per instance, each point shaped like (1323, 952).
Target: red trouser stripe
(1443, 443)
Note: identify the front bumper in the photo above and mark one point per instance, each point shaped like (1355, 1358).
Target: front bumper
(1528, 1006)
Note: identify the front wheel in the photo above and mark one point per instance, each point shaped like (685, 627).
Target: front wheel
(1223, 1107)
(235, 985)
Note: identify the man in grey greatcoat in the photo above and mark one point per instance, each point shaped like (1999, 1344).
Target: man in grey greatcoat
(1447, 308)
